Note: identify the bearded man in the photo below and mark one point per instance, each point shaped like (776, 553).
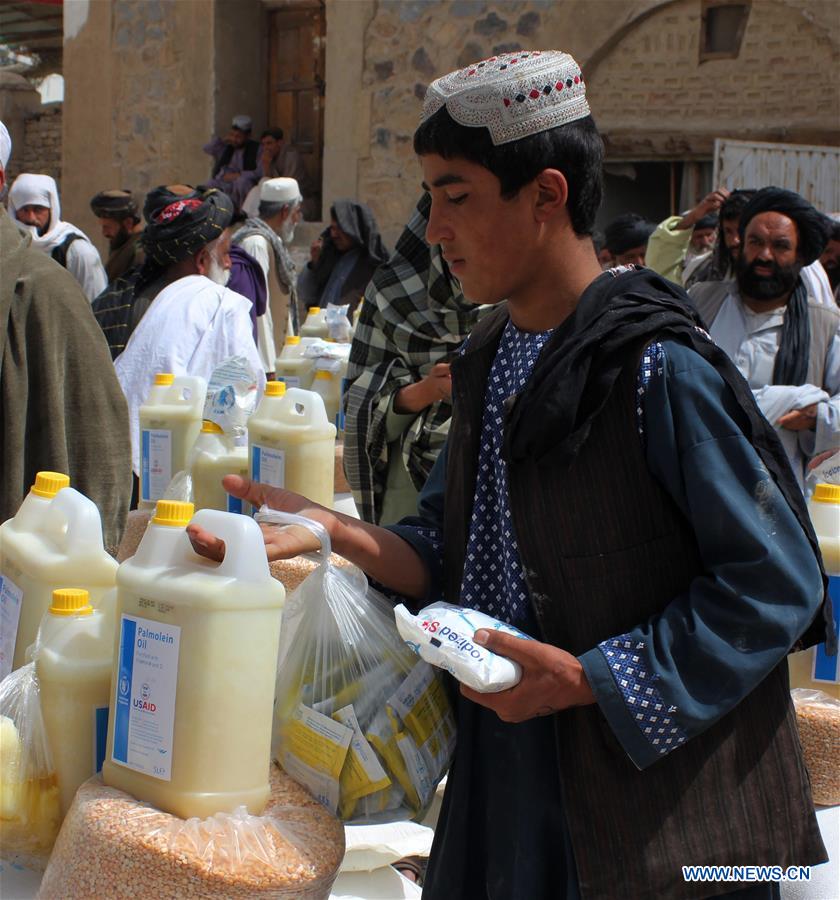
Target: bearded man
(784, 340)
(266, 238)
(194, 322)
(34, 203)
(119, 219)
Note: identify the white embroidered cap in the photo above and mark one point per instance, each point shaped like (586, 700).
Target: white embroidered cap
(512, 95)
(280, 190)
(242, 123)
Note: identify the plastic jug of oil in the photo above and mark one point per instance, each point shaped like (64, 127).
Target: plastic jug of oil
(215, 455)
(292, 443)
(814, 668)
(73, 659)
(170, 421)
(55, 539)
(194, 668)
(292, 366)
(327, 385)
(315, 323)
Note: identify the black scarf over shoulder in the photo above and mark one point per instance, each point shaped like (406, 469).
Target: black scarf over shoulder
(584, 358)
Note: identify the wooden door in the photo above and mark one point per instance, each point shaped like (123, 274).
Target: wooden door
(296, 90)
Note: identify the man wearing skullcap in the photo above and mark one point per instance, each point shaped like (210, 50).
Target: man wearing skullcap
(626, 238)
(119, 219)
(609, 487)
(61, 407)
(266, 238)
(679, 239)
(194, 321)
(784, 341)
(235, 161)
(33, 201)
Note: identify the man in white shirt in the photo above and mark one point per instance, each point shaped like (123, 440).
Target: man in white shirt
(33, 201)
(195, 322)
(784, 341)
(266, 239)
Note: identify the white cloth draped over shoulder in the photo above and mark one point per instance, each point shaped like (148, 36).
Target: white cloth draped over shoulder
(83, 260)
(752, 341)
(191, 326)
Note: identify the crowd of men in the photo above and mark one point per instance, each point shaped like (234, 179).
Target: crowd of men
(606, 438)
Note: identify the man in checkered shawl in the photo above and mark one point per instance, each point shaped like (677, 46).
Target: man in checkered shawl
(413, 320)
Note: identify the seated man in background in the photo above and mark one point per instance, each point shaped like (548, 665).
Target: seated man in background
(343, 259)
(33, 201)
(784, 341)
(119, 219)
(61, 407)
(195, 322)
(236, 161)
(265, 238)
(626, 239)
(278, 159)
(680, 239)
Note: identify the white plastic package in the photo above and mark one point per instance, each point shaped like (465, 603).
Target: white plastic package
(359, 720)
(442, 634)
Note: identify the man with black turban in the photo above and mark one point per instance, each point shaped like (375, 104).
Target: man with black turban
(626, 238)
(194, 321)
(784, 341)
(119, 219)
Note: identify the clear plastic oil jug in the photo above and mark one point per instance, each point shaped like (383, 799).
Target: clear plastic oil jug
(194, 668)
(215, 455)
(170, 421)
(54, 539)
(315, 323)
(73, 659)
(292, 366)
(291, 443)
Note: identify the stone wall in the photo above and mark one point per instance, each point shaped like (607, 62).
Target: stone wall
(139, 100)
(651, 97)
(42, 143)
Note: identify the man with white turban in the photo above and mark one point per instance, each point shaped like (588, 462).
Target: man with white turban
(33, 201)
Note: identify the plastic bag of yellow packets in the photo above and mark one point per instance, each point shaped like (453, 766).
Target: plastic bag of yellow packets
(29, 797)
(359, 721)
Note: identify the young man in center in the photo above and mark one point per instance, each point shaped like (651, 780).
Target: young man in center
(609, 487)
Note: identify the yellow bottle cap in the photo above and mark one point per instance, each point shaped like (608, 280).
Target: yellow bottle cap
(164, 378)
(323, 374)
(173, 513)
(293, 339)
(314, 310)
(826, 493)
(208, 427)
(275, 388)
(48, 484)
(71, 602)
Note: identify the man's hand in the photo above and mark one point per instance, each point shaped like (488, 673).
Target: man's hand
(804, 419)
(293, 541)
(552, 679)
(709, 204)
(315, 251)
(822, 457)
(437, 385)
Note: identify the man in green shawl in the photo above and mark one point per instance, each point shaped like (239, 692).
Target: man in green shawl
(61, 407)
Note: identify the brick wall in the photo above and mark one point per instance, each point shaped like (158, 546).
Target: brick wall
(42, 144)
